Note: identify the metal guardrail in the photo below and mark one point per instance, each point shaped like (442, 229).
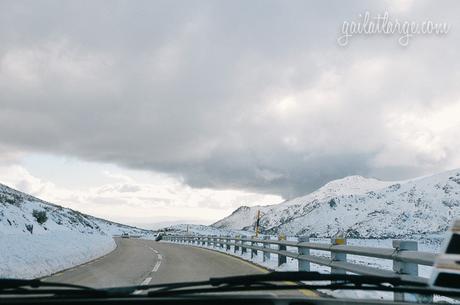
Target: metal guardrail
(404, 254)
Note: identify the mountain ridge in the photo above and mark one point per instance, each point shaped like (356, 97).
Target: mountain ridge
(361, 207)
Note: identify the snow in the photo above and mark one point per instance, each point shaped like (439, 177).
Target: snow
(64, 238)
(31, 256)
(361, 208)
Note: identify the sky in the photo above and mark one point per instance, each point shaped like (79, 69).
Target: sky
(181, 111)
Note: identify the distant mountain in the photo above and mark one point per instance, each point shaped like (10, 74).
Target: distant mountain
(361, 208)
(21, 213)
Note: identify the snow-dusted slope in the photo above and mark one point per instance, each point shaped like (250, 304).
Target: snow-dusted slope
(38, 238)
(244, 216)
(362, 207)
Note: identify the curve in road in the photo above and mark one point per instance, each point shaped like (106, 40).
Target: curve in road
(137, 261)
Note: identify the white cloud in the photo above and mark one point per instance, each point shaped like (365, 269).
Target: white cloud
(134, 197)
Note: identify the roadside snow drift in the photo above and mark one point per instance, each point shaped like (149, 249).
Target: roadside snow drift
(38, 238)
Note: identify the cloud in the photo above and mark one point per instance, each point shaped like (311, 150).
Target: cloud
(256, 97)
(141, 201)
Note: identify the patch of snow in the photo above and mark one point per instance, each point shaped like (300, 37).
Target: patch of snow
(29, 256)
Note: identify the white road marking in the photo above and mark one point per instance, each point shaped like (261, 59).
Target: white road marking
(159, 256)
(145, 282)
(157, 265)
(153, 250)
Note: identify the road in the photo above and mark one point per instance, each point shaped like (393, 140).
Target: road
(137, 261)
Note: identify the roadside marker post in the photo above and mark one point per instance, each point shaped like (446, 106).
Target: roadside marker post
(337, 256)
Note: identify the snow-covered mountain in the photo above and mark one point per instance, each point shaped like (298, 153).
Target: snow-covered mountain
(21, 213)
(361, 208)
(38, 238)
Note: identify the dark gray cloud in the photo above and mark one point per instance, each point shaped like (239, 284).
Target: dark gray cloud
(247, 95)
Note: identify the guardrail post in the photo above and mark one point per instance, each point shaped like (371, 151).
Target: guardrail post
(303, 265)
(227, 240)
(337, 256)
(281, 258)
(266, 255)
(235, 247)
(409, 269)
(243, 249)
(253, 251)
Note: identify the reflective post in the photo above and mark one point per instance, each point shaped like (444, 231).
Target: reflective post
(281, 258)
(337, 256)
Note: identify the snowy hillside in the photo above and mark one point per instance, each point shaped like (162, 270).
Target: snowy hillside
(38, 238)
(362, 208)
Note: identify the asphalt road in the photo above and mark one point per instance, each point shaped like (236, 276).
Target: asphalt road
(137, 261)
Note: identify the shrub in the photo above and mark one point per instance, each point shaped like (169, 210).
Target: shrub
(40, 216)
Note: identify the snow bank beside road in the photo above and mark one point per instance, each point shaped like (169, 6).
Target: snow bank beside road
(38, 238)
(32, 256)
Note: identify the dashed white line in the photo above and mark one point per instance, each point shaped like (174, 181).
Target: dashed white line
(153, 250)
(157, 265)
(160, 257)
(145, 282)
